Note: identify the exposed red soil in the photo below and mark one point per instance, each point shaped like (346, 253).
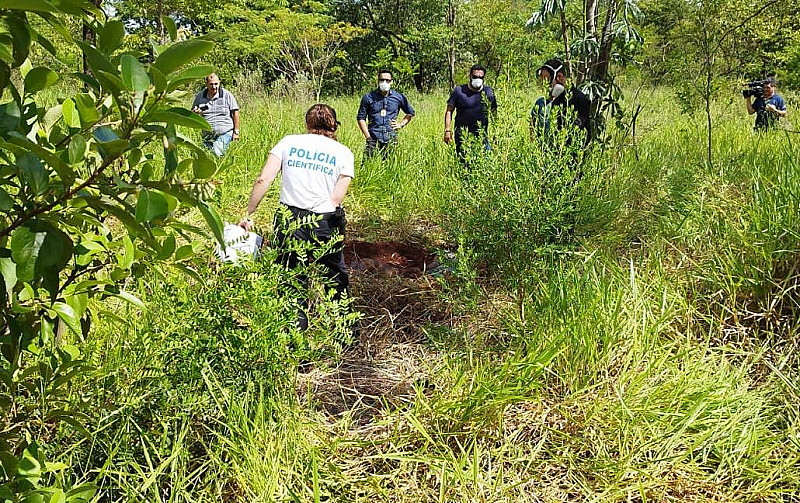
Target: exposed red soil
(389, 258)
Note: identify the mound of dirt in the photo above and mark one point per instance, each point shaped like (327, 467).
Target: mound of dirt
(389, 258)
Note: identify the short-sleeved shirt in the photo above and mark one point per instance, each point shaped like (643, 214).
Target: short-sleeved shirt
(219, 110)
(311, 164)
(379, 111)
(472, 107)
(580, 113)
(765, 119)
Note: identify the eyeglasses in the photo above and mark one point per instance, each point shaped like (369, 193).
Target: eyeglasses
(384, 80)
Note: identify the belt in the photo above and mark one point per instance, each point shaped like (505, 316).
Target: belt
(300, 212)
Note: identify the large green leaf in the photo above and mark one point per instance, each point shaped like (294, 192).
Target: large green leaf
(29, 5)
(111, 37)
(25, 246)
(192, 74)
(151, 205)
(97, 62)
(39, 78)
(169, 24)
(8, 270)
(21, 38)
(64, 172)
(10, 117)
(70, 113)
(109, 144)
(181, 53)
(6, 203)
(204, 167)
(179, 117)
(76, 149)
(159, 80)
(134, 74)
(213, 220)
(68, 316)
(34, 173)
(38, 248)
(87, 110)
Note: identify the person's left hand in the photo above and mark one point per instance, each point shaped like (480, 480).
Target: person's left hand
(246, 224)
(771, 109)
(235, 136)
(396, 125)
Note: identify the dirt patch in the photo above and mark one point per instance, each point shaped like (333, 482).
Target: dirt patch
(389, 258)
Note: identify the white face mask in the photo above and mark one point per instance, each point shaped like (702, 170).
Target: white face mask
(384, 86)
(557, 90)
(476, 83)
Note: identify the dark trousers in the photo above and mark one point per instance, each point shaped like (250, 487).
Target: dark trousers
(323, 228)
(374, 146)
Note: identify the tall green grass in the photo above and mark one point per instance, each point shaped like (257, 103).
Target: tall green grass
(649, 355)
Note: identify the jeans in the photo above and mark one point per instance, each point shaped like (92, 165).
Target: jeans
(218, 143)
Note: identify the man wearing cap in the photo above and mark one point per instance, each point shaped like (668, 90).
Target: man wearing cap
(219, 107)
(570, 106)
(377, 115)
(768, 107)
(473, 103)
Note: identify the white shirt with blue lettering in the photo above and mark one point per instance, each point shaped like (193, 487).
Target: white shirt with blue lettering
(311, 164)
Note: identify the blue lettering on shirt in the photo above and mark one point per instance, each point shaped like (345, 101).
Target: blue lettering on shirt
(312, 160)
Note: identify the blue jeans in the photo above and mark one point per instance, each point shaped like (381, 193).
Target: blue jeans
(218, 143)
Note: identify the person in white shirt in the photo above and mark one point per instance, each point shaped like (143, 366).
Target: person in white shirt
(317, 171)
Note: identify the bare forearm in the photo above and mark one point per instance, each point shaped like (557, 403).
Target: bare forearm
(340, 189)
(263, 182)
(362, 125)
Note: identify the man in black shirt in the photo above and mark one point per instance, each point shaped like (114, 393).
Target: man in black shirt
(570, 106)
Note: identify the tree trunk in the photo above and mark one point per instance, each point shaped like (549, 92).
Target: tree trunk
(451, 51)
(565, 38)
(90, 38)
(160, 23)
(600, 67)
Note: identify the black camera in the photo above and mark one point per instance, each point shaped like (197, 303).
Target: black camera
(754, 89)
(203, 107)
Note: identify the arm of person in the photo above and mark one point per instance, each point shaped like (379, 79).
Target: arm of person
(749, 103)
(340, 189)
(235, 116)
(775, 110)
(361, 116)
(401, 124)
(362, 125)
(260, 188)
(448, 119)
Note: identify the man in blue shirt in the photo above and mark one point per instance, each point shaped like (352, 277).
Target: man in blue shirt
(768, 107)
(473, 102)
(377, 115)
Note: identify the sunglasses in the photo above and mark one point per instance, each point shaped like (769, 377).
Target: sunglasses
(384, 80)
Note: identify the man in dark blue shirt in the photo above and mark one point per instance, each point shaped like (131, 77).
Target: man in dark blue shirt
(768, 107)
(473, 102)
(377, 115)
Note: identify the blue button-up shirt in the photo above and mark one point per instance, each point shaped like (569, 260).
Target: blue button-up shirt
(379, 111)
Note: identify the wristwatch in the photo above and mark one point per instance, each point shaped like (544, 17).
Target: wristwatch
(235, 131)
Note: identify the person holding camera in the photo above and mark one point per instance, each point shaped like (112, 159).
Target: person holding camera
(377, 115)
(571, 106)
(769, 106)
(474, 103)
(317, 171)
(220, 108)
